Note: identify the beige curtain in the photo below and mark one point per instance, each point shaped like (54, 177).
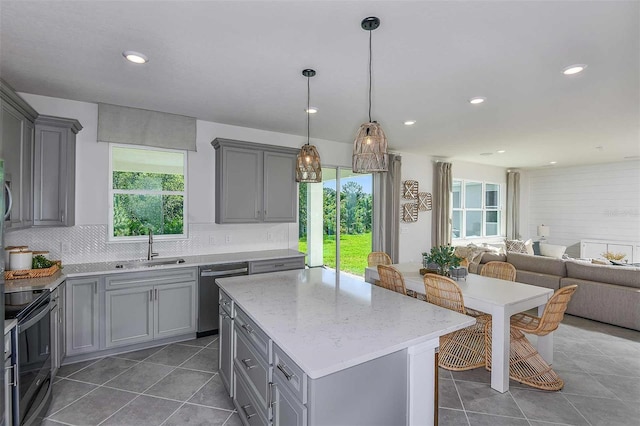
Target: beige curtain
(513, 205)
(441, 232)
(386, 209)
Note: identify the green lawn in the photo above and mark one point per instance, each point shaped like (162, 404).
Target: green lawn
(354, 250)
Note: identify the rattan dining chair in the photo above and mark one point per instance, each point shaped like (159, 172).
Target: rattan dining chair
(376, 258)
(501, 270)
(391, 279)
(463, 349)
(526, 365)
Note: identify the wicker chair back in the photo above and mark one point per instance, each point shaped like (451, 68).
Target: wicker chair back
(391, 279)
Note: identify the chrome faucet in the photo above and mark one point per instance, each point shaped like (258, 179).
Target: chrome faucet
(150, 252)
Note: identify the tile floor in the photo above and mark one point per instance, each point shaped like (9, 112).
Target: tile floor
(178, 384)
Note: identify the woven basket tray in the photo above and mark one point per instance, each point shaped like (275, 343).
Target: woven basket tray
(32, 273)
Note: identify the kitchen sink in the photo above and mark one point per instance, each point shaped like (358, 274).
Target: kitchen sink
(134, 264)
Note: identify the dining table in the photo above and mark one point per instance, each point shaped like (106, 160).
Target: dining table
(499, 298)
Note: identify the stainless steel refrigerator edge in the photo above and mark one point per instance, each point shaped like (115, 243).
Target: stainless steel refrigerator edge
(2, 378)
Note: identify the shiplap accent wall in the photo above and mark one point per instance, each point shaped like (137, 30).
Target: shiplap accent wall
(600, 201)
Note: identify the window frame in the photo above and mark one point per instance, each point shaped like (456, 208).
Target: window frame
(112, 192)
(499, 209)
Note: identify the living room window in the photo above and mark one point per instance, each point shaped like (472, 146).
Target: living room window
(476, 209)
(147, 190)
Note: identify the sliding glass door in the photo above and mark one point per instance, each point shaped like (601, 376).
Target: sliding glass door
(336, 220)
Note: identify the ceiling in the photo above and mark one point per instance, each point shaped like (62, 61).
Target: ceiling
(240, 63)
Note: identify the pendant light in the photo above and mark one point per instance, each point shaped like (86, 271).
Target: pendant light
(370, 146)
(308, 168)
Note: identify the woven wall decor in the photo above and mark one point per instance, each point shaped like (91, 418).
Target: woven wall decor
(424, 201)
(410, 212)
(410, 189)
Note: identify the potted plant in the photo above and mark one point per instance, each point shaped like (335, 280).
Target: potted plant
(444, 258)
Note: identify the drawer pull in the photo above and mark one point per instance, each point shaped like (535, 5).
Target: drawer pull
(272, 400)
(248, 328)
(225, 302)
(246, 413)
(278, 265)
(246, 362)
(288, 375)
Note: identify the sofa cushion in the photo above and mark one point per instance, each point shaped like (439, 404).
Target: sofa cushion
(551, 250)
(619, 275)
(536, 278)
(613, 304)
(493, 257)
(540, 264)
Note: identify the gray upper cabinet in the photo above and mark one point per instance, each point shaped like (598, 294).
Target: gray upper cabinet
(254, 182)
(54, 163)
(16, 148)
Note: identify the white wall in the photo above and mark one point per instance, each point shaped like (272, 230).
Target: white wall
(415, 238)
(599, 201)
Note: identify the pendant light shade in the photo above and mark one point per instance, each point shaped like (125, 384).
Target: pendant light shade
(308, 168)
(370, 146)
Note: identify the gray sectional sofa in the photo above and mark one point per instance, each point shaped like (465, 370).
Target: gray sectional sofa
(609, 294)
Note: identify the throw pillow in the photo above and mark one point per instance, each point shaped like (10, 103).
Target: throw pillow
(536, 248)
(551, 250)
(529, 246)
(516, 246)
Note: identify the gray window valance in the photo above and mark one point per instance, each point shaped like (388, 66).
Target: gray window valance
(135, 126)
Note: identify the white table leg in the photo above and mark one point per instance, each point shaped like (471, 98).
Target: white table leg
(545, 343)
(422, 383)
(500, 342)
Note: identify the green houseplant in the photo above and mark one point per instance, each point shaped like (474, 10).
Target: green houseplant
(444, 257)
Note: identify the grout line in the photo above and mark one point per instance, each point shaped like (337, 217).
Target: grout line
(182, 405)
(575, 408)
(461, 401)
(75, 400)
(119, 409)
(86, 366)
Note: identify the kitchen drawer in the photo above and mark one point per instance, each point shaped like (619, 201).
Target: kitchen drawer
(255, 368)
(290, 374)
(225, 302)
(164, 276)
(249, 329)
(285, 264)
(248, 409)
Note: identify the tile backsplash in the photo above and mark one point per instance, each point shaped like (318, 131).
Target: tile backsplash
(88, 243)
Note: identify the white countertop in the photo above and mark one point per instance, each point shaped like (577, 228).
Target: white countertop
(326, 325)
(102, 268)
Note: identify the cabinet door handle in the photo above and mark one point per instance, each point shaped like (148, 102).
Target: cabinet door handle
(247, 327)
(10, 203)
(245, 412)
(156, 291)
(278, 265)
(287, 374)
(247, 364)
(272, 400)
(95, 287)
(12, 379)
(150, 295)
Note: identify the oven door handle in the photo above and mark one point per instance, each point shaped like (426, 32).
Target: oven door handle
(37, 317)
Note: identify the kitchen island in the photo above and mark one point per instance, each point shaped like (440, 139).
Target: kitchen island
(313, 347)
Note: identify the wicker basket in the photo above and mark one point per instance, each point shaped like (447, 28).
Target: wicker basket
(32, 273)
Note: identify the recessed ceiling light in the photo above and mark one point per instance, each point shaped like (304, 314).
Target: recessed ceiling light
(410, 122)
(135, 57)
(477, 100)
(486, 153)
(553, 162)
(574, 69)
(502, 151)
(311, 110)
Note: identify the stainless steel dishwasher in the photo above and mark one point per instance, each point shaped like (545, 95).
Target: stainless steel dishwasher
(208, 293)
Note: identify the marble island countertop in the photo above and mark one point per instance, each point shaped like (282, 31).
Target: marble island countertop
(102, 268)
(327, 322)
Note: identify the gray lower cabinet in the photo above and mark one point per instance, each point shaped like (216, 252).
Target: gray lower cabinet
(287, 409)
(82, 315)
(254, 182)
(17, 119)
(225, 342)
(54, 165)
(57, 328)
(137, 311)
